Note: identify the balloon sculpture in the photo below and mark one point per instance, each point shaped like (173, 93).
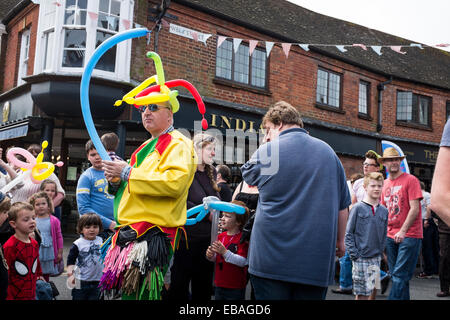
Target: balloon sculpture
(141, 95)
(33, 167)
(214, 205)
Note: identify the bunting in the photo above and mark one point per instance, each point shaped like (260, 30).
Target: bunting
(286, 46)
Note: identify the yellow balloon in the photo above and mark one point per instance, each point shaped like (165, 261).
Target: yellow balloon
(37, 175)
(154, 97)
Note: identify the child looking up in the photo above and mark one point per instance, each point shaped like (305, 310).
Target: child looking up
(51, 248)
(85, 254)
(50, 188)
(230, 256)
(22, 253)
(365, 238)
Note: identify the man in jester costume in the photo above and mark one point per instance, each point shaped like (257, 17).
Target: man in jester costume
(150, 195)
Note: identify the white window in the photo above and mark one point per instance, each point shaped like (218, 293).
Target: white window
(69, 34)
(24, 54)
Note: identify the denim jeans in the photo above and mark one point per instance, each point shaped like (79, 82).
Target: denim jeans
(402, 261)
(345, 273)
(89, 290)
(270, 289)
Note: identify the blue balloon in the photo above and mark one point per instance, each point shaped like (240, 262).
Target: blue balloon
(227, 207)
(86, 78)
(216, 205)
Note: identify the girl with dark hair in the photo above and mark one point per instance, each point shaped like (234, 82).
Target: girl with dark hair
(190, 264)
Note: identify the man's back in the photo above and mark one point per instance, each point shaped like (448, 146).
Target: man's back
(295, 229)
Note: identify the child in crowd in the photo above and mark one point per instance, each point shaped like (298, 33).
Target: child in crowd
(22, 253)
(5, 205)
(365, 238)
(50, 188)
(51, 248)
(111, 141)
(230, 256)
(85, 255)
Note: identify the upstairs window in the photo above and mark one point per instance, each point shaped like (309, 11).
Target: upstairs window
(364, 98)
(24, 55)
(69, 34)
(447, 110)
(413, 108)
(74, 33)
(240, 67)
(328, 88)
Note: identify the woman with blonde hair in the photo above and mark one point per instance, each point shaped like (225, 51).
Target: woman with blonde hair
(190, 264)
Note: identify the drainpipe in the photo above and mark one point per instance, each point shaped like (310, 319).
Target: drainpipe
(380, 88)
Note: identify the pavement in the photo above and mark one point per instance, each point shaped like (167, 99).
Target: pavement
(420, 289)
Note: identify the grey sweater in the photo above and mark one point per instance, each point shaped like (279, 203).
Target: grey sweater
(365, 235)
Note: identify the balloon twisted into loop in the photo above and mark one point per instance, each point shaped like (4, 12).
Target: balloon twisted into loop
(159, 93)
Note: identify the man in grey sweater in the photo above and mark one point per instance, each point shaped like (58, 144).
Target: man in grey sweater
(365, 238)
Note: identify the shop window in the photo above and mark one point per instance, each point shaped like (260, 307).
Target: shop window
(413, 108)
(364, 98)
(241, 67)
(328, 88)
(24, 55)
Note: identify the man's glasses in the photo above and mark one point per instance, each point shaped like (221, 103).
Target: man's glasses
(369, 165)
(151, 107)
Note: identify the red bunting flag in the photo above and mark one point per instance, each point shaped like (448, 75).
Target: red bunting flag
(220, 40)
(398, 49)
(194, 35)
(443, 45)
(286, 48)
(252, 46)
(360, 45)
(126, 24)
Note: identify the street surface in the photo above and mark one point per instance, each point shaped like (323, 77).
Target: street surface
(421, 289)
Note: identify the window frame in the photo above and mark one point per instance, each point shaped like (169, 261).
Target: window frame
(447, 110)
(415, 97)
(250, 67)
(24, 57)
(123, 49)
(327, 106)
(367, 115)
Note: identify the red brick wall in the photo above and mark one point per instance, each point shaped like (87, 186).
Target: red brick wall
(26, 19)
(293, 79)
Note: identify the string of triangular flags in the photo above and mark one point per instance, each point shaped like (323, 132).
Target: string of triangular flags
(286, 46)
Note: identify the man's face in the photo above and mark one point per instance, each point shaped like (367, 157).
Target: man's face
(370, 165)
(374, 189)
(272, 131)
(156, 121)
(392, 165)
(95, 159)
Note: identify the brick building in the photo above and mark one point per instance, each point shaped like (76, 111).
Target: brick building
(352, 100)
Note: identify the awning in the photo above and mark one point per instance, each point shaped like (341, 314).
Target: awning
(14, 131)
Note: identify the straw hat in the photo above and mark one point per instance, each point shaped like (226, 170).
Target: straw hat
(390, 153)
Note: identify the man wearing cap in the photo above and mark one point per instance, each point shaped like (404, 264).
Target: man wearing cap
(401, 195)
(150, 204)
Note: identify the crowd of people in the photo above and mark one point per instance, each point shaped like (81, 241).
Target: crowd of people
(300, 214)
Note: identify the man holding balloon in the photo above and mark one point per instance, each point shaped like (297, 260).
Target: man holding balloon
(150, 201)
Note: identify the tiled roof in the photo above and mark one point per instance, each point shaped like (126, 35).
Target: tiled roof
(288, 22)
(6, 6)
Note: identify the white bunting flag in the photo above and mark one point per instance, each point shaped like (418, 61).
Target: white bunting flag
(416, 45)
(236, 44)
(377, 49)
(269, 46)
(341, 48)
(304, 46)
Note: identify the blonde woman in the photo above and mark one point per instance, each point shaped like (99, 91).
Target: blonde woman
(190, 265)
